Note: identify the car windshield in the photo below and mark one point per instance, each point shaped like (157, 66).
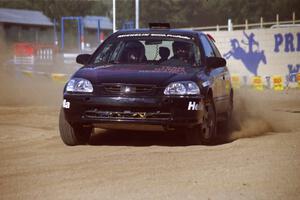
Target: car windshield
(166, 51)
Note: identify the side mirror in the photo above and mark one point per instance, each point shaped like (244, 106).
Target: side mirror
(83, 58)
(215, 62)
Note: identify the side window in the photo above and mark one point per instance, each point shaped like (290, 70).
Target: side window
(209, 52)
(104, 54)
(197, 55)
(217, 53)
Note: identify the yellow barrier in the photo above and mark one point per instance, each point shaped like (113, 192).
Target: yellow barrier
(257, 83)
(61, 78)
(235, 80)
(27, 73)
(277, 83)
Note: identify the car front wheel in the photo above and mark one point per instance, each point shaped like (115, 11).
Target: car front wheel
(206, 132)
(73, 134)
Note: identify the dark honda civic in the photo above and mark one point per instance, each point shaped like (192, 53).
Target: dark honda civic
(149, 79)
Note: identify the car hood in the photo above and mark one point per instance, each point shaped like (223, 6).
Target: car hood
(136, 74)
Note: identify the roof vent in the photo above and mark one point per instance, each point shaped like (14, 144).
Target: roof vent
(159, 26)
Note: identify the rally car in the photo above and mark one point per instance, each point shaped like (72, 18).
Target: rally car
(149, 79)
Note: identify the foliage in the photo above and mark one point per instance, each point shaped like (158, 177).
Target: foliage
(180, 13)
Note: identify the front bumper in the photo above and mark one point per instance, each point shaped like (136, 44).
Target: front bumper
(167, 112)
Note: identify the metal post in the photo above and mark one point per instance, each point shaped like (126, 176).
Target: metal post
(98, 31)
(62, 34)
(218, 27)
(114, 15)
(78, 34)
(229, 26)
(55, 32)
(36, 36)
(261, 22)
(137, 14)
(246, 24)
(294, 17)
(277, 19)
(82, 30)
(80, 19)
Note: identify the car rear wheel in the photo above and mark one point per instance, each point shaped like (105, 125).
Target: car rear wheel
(206, 132)
(73, 134)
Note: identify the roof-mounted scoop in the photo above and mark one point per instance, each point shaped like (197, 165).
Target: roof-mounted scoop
(159, 26)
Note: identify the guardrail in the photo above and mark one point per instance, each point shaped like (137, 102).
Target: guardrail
(247, 25)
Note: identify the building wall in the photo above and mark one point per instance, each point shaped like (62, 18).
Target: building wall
(1, 30)
(4, 50)
(263, 52)
(25, 33)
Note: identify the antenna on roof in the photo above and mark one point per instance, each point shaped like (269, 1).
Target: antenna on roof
(159, 26)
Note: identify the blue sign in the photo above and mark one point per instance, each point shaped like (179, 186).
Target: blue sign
(251, 57)
(293, 71)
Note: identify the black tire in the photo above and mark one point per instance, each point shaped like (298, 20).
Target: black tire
(73, 134)
(226, 127)
(206, 132)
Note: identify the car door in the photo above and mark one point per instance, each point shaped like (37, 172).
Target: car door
(225, 79)
(215, 75)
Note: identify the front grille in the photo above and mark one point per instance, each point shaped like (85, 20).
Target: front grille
(126, 115)
(112, 89)
(127, 89)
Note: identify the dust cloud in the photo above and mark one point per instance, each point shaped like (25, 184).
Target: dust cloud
(25, 85)
(18, 89)
(259, 113)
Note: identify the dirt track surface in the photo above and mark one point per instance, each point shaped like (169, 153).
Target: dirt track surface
(261, 160)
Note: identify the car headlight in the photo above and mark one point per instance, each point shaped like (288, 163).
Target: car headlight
(182, 88)
(79, 85)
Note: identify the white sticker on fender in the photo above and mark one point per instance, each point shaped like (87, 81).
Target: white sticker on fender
(206, 83)
(66, 104)
(193, 105)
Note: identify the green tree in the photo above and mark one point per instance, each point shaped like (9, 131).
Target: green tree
(180, 13)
